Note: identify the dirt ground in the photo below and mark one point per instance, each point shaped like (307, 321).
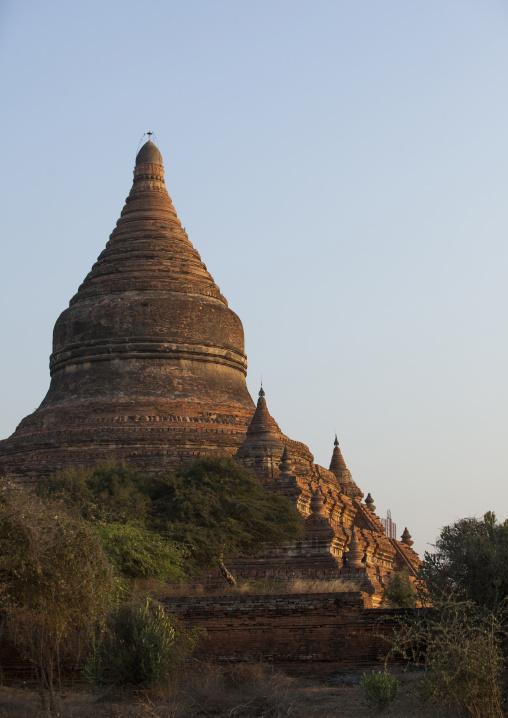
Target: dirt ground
(245, 691)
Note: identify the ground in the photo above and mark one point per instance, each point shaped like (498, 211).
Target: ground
(239, 691)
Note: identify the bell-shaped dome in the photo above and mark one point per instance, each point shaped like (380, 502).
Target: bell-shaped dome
(148, 361)
(149, 154)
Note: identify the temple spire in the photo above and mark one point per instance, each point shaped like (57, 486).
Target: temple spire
(369, 501)
(262, 421)
(406, 538)
(147, 336)
(355, 551)
(338, 465)
(285, 466)
(317, 502)
(149, 154)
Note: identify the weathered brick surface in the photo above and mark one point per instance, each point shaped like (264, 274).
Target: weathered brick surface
(148, 360)
(332, 505)
(340, 628)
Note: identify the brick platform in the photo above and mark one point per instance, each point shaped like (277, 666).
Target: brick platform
(339, 628)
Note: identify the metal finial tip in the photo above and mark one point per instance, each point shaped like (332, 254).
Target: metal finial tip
(261, 391)
(336, 442)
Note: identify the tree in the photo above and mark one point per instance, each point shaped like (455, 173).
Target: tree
(471, 557)
(139, 553)
(459, 628)
(55, 580)
(218, 509)
(113, 497)
(400, 591)
(107, 492)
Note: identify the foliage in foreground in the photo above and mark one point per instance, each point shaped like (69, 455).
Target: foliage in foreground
(460, 646)
(55, 580)
(138, 646)
(380, 689)
(472, 557)
(107, 492)
(459, 633)
(113, 498)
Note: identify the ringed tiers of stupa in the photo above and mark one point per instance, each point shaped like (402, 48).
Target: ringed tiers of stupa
(148, 367)
(148, 361)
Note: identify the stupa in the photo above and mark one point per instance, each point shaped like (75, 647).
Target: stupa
(148, 366)
(148, 361)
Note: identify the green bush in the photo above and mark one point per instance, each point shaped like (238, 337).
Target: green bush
(400, 591)
(380, 689)
(137, 646)
(107, 492)
(218, 508)
(472, 557)
(139, 553)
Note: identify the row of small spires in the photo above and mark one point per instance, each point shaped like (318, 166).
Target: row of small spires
(317, 505)
(285, 470)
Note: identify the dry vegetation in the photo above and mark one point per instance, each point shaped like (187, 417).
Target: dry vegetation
(235, 691)
(261, 586)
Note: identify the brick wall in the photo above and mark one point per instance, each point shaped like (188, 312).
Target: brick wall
(341, 628)
(301, 631)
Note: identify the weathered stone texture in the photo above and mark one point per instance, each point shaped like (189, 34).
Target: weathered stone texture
(334, 514)
(340, 628)
(148, 361)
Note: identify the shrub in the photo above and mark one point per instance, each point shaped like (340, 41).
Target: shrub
(459, 644)
(242, 690)
(380, 689)
(107, 492)
(218, 508)
(139, 553)
(137, 646)
(400, 591)
(55, 581)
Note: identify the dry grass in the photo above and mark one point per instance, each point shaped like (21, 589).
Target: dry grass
(205, 690)
(247, 690)
(261, 586)
(335, 585)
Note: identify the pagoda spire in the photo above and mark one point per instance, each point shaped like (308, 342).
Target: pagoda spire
(317, 502)
(369, 501)
(263, 447)
(355, 551)
(262, 422)
(406, 538)
(338, 465)
(285, 466)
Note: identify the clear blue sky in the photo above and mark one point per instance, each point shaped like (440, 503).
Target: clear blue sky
(341, 167)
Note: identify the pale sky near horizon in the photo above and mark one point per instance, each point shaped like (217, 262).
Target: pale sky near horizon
(342, 169)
